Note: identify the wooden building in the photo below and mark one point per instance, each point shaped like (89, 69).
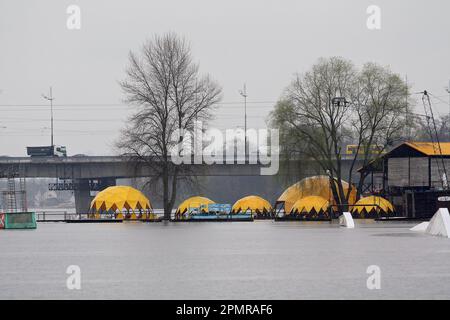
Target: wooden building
(413, 176)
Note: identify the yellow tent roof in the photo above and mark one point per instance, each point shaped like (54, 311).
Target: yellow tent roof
(307, 204)
(312, 186)
(251, 203)
(431, 148)
(119, 198)
(193, 202)
(373, 203)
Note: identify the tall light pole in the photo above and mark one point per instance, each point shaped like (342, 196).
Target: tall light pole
(244, 94)
(448, 91)
(50, 98)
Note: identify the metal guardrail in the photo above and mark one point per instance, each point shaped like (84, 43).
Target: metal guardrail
(44, 216)
(61, 216)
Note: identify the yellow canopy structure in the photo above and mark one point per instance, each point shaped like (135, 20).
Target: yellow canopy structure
(193, 202)
(120, 198)
(254, 204)
(310, 203)
(312, 186)
(373, 204)
(431, 148)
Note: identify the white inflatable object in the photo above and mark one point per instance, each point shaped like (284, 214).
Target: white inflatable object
(346, 220)
(440, 224)
(421, 227)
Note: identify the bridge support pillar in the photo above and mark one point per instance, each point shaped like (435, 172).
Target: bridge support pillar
(82, 195)
(82, 192)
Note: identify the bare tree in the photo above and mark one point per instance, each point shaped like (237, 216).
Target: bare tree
(293, 145)
(379, 104)
(371, 113)
(320, 121)
(164, 84)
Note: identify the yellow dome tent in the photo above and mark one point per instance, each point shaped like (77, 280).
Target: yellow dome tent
(312, 186)
(310, 204)
(192, 202)
(255, 204)
(122, 198)
(372, 205)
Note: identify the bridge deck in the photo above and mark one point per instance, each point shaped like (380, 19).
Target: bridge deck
(93, 167)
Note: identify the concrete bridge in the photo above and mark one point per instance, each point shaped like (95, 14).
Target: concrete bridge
(100, 167)
(104, 170)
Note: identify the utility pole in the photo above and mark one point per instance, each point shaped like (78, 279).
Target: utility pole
(448, 91)
(244, 94)
(50, 98)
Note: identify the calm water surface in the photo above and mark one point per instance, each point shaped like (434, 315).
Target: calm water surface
(259, 260)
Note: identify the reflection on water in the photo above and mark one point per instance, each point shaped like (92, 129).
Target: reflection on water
(247, 260)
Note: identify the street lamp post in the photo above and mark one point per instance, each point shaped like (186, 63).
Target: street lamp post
(448, 91)
(50, 98)
(337, 101)
(244, 94)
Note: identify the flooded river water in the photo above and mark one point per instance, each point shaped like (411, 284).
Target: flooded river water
(239, 260)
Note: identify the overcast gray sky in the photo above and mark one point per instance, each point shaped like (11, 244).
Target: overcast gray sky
(262, 43)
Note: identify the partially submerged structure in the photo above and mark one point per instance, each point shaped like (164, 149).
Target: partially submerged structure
(413, 176)
(311, 207)
(372, 207)
(203, 209)
(318, 186)
(122, 202)
(192, 205)
(18, 220)
(254, 205)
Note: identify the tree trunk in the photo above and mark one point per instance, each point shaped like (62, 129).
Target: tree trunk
(359, 190)
(167, 207)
